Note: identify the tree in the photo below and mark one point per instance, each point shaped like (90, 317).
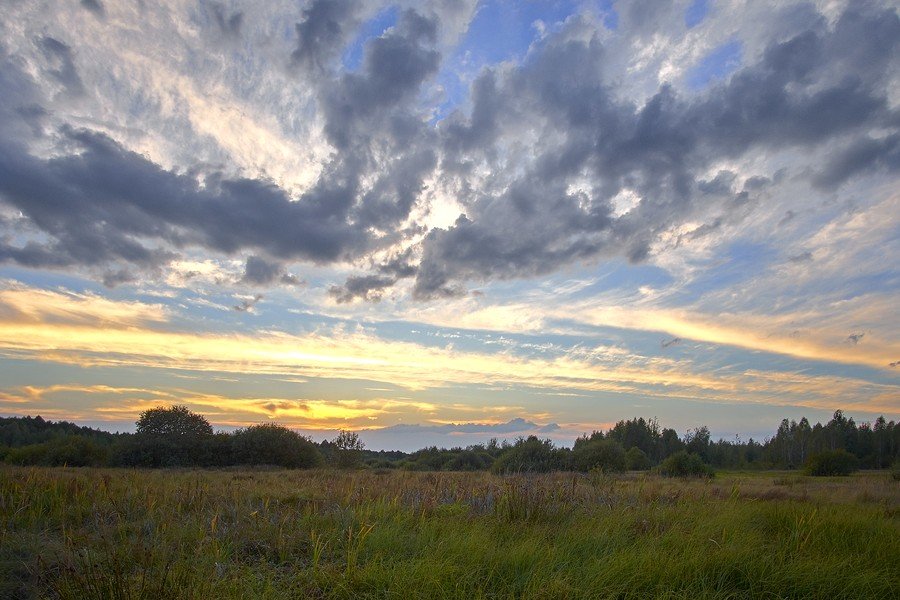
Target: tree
(177, 420)
(697, 441)
(349, 449)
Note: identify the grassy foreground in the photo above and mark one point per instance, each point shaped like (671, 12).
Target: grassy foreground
(82, 533)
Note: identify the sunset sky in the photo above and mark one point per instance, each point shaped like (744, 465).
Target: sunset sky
(446, 221)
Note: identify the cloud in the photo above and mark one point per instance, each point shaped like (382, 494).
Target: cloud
(64, 70)
(671, 342)
(259, 271)
(516, 425)
(538, 159)
(804, 92)
(855, 338)
(247, 304)
(325, 28)
(95, 6)
(229, 25)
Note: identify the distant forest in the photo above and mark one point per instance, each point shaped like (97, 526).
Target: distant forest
(177, 437)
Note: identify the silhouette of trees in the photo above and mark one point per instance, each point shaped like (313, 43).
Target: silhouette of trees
(590, 453)
(271, 444)
(348, 449)
(177, 420)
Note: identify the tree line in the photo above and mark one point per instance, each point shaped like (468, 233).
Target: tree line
(178, 437)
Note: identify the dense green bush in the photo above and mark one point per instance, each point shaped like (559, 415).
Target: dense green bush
(72, 451)
(684, 464)
(271, 444)
(637, 460)
(598, 454)
(832, 462)
(530, 455)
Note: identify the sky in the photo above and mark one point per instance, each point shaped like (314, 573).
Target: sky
(438, 222)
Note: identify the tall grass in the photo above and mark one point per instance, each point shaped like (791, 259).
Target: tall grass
(79, 533)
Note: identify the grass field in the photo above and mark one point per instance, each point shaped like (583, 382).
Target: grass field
(82, 533)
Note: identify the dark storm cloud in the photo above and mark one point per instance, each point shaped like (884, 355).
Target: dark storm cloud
(534, 128)
(364, 287)
(863, 155)
(259, 271)
(324, 30)
(371, 287)
(95, 6)
(394, 67)
(801, 258)
(112, 279)
(63, 65)
(101, 204)
(808, 90)
(229, 25)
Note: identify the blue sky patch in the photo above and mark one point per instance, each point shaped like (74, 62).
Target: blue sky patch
(716, 65)
(695, 13)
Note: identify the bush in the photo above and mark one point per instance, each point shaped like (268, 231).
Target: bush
(271, 444)
(832, 462)
(684, 464)
(72, 451)
(154, 451)
(469, 460)
(348, 449)
(603, 455)
(637, 460)
(530, 455)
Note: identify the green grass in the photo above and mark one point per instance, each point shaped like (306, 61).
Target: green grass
(83, 533)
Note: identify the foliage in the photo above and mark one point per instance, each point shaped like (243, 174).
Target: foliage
(348, 449)
(530, 455)
(25, 431)
(832, 462)
(176, 420)
(598, 454)
(176, 437)
(636, 460)
(72, 451)
(685, 464)
(271, 444)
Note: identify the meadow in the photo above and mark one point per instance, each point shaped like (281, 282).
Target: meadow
(126, 534)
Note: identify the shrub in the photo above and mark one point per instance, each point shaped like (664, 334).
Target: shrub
(154, 451)
(832, 462)
(530, 455)
(271, 444)
(603, 455)
(348, 449)
(72, 451)
(469, 460)
(637, 460)
(684, 464)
